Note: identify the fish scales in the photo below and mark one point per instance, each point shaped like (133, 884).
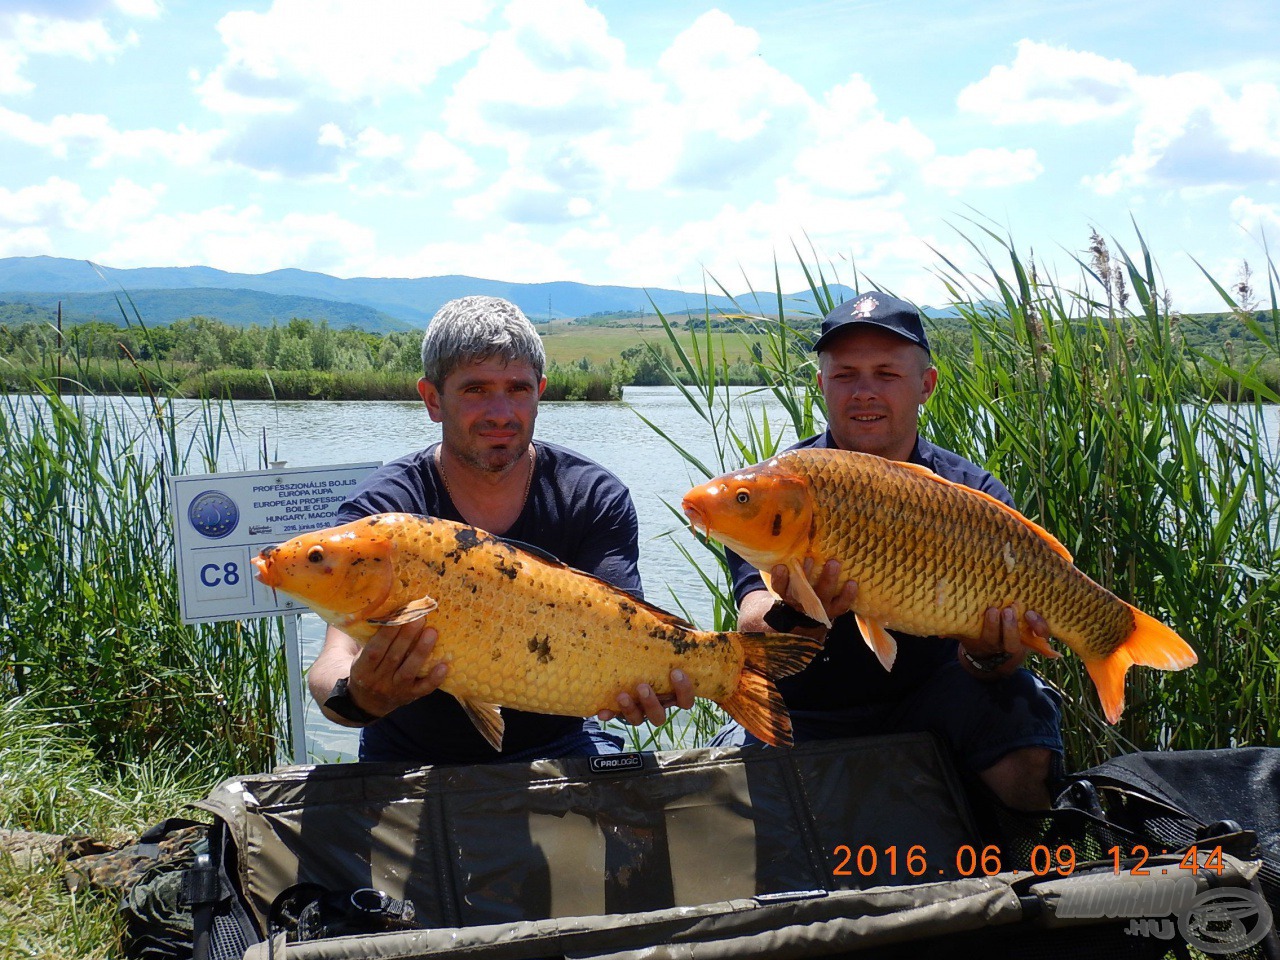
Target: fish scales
(892, 546)
(929, 556)
(520, 630)
(571, 627)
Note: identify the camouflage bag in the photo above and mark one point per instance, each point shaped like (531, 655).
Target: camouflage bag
(150, 877)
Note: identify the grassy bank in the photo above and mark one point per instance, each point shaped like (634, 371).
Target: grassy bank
(113, 377)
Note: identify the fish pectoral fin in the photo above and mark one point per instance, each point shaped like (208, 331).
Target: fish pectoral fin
(767, 577)
(879, 640)
(408, 613)
(488, 720)
(800, 588)
(1039, 644)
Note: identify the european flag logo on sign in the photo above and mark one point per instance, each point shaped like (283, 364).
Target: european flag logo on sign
(213, 514)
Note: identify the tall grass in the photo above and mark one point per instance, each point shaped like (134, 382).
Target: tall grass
(1097, 419)
(52, 782)
(89, 627)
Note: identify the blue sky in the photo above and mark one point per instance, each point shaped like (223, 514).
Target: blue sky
(639, 143)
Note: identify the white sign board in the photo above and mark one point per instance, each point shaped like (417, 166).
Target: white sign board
(223, 520)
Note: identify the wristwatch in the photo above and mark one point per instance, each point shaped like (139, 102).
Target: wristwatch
(986, 664)
(340, 702)
(783, 617)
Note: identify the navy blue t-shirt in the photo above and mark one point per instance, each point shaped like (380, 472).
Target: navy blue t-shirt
(577, 511)
(846, 673)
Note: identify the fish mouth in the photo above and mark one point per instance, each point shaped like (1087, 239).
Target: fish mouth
(696, 517)
(264, 571)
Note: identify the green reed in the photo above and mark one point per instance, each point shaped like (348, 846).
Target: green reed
(1101, 421)
(89, 627)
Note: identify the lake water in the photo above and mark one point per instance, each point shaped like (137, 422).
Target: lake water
(314, 433)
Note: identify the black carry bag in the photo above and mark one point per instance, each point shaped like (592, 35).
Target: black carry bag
(1233, 792)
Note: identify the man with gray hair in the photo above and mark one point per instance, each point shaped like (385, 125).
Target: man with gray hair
(482, 365)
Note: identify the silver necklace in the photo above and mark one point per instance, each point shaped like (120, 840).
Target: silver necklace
(528, 483)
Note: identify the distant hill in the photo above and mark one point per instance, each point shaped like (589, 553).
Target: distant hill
(412, 301)
(233, 307)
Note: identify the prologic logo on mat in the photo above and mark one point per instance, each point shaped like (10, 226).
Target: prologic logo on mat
(617, 763)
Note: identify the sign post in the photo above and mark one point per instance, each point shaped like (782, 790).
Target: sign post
(221, 521)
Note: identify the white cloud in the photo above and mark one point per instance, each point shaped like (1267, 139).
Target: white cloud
(983, 167)
(59, 203)
(242, 240)
(125, 202)
(25, 34)
(331, 49)
(83, 39)
(230, 92)
(50, 203)
(578, 124)
(1256, 218)
(94, 135)
(509, 253)
(1052, 85)
(438, 156)
(554, 71)
(331, 135)
(869, 232)
(1190, 133)
(147, 9)
(25, 242)
(11, 63)
(1194, 135)
(521, 197)
(854, 148)
(376, 163)
(729, 112)
(373, 144)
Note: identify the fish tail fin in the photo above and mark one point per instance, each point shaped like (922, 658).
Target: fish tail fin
(1151, 644)
(756, 703)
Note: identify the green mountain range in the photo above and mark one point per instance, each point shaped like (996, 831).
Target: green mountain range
(163, 294)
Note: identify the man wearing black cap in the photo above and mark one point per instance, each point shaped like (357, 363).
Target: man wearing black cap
(875, 371)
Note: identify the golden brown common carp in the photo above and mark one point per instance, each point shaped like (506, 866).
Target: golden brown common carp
(522, 630)
(929, 557)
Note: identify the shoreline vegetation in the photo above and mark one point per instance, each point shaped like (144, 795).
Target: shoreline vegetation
(1090, 398)
(589, 358)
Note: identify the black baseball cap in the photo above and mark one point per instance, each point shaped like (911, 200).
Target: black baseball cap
(875, 310)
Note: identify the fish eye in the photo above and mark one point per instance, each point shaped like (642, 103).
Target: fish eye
(316, 554)
(743, 496)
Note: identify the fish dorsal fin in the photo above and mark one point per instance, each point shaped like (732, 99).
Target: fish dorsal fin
(542, 556)
(488, 720)
(408, 613)
(1040, 531)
